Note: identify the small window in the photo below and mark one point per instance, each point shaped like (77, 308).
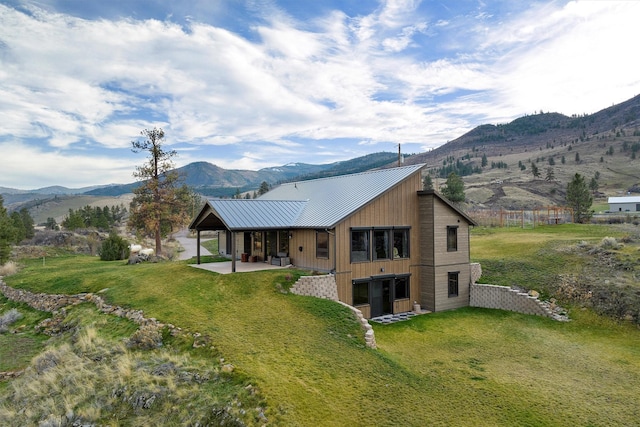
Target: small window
(322, 244)
(401, 243)
(402, 288)
(381, 244)
(360, 246)
(453, 284)
(360, 293)
(452, 238)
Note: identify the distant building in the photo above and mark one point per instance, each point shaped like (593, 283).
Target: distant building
(388, 242)
(624, 204)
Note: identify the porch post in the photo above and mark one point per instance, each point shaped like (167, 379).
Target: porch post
(233, 251)
(198, 246)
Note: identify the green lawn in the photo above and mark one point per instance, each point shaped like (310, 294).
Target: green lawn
(307, 356)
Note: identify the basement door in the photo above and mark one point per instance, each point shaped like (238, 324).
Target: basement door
(381, 297)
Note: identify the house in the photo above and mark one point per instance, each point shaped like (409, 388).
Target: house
(624, 204)
(388, 242)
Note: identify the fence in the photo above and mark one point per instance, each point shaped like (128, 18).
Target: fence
(523, 218)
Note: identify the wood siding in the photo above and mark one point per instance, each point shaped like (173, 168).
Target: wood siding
(397, 207)
(436, 260)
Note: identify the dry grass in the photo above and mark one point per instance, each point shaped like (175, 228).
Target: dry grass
(88, 377)
(8, 269)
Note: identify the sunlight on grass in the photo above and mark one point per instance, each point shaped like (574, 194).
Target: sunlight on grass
(308, 359)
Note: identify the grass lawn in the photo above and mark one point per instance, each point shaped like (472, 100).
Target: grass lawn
(307, 356)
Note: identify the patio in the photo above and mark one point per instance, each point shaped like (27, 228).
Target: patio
(241, 267)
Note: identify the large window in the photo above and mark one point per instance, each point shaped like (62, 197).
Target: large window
(381, 242)
(401, 243)
(452, 238)
(360, 246)
(360, 293)
(322, 244)
(453, 283)
(402, 288)
(386, 243)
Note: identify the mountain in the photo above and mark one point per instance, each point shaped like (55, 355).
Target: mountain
(214, 181)
(537, 130)
(497, 161)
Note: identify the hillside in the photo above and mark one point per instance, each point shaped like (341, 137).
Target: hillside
(604, 145)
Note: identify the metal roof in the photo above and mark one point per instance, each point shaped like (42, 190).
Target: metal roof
(627, 199)
(332, 199)
(256, 214)
(318, 203)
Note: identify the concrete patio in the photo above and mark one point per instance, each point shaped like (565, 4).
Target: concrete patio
(241, 267)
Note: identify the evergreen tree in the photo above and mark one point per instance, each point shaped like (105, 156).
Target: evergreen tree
(159, 204)
(593, 184)
(550, 175)
(454, 188)
(427, 183)
(27, 222)
(7, 233)
(484, 160)
(579, 198)
(535, 171)
(264, 188)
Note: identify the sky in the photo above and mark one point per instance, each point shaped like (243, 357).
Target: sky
(249, 84)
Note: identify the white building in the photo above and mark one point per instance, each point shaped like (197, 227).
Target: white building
(624, 204)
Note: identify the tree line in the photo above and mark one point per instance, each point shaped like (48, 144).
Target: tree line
(94, 217)
(14, 228)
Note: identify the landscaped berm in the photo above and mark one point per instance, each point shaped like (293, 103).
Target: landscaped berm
(238, 349)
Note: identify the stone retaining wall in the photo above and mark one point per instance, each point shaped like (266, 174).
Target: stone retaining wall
(325, 287)
(503, 298)
(317, 286)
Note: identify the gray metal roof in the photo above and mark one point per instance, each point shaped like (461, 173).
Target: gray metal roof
(318, 203)
(330, 200)
(257, 214)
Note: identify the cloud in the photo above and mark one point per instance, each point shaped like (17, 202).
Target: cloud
(59, 168)
(284, 90)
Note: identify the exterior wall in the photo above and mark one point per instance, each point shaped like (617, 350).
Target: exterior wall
(436, 261)
(397, 207)
(306, 258)
(623, 207)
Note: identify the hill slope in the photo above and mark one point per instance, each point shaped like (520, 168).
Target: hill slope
(603, 145)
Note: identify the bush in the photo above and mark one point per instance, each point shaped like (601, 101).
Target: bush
(114, 248)
(8, 269)
(8, 318)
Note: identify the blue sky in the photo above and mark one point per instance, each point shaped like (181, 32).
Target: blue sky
(258, 83)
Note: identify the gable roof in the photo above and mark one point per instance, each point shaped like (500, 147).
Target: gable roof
(449, 204)
(318, 203)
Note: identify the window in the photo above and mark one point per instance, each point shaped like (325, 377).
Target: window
(360, 293)
(360, 245)
(322, 244)
(453, 284)
(381, 244)
(402, 288)
(452, 238)
(401, 243)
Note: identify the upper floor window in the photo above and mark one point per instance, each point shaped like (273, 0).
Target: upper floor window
(401, 243)
(381, 239)
(379, 243)
(452, 238)
(360, 250)
(322, 244)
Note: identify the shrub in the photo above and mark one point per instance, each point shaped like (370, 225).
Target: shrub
(114, 248)
(609, 243)
(8, 318)
(8, 269)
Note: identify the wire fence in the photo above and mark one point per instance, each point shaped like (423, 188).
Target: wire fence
(523, 218)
